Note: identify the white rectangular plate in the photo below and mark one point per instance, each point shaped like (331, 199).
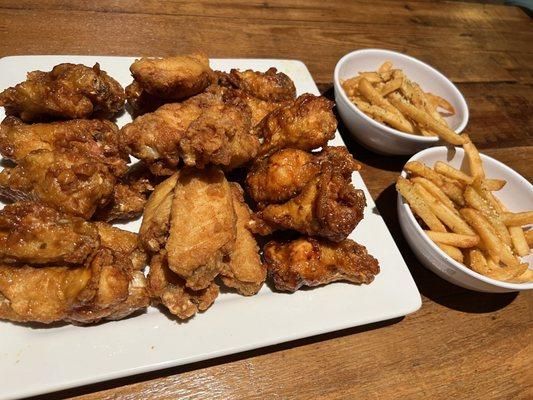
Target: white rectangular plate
(36, 360)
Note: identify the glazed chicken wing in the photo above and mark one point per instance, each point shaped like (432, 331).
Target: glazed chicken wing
(305, 123)
(68, 91)
(312, 262)
(71, 182)
(244, 270)
(328, 205)
(169, 289)
(202, 226)
(33, 233)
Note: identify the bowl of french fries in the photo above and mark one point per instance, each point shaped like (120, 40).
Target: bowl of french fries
(468, 218)
(395, 104)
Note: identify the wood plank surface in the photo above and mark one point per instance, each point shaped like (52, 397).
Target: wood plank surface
(460, 344)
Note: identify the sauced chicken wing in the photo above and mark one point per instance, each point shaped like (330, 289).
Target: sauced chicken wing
(169, 289)
(244, 270)
(95, 137)
(33, 233)
(328, 205)
(305, 123)
(68, 91)
(71, 182)
(313, 262)
(208, 128)
(202, 226)
(281, 176)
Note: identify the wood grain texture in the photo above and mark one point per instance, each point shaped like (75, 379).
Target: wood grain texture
(461, 344)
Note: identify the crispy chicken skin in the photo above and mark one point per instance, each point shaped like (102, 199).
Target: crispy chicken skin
(328, 205)
(208, 128)
(95, 137)
(33, 233)
(71, 182)
(103, 281)
(281, 176)
(169, 289)
(305, 123)
(173, 78)
(156, 217)
(271, 86)
(67, 91)
(314, 262)
(140, 101)
(202, 226)
(244, 271)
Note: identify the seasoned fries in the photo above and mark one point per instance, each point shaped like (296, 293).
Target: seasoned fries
(417, 112)
(478, 230)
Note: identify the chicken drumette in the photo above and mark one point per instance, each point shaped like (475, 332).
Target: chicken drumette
(67, 91)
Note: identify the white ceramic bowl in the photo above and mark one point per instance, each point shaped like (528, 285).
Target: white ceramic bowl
(517, 195)
(381, 138)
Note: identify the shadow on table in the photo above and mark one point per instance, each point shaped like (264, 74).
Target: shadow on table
(116, 383)
(429, 284)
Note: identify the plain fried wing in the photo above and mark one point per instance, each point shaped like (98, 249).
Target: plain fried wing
(68, 91)
(305, 123)
(33, 233)
(169, 289)
(244, 271)
(202, 226)
(312, 262)
(271, 86)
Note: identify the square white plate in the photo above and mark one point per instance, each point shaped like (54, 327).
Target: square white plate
(36, 360)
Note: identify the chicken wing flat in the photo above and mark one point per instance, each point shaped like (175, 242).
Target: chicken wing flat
(173, 78)
(68, 91)
(71, 182)
(156, 217)
(169, 289)
(208, 128)
(202, 226)
(305, 123)
(281, 176)
(328, 206)
(96, 137)
(33, 233)
(312, 262)
(244, 270)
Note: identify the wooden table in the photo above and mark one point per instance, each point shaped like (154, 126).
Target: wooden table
(460, 344)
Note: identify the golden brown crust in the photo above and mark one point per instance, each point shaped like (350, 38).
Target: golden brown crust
(314, 262)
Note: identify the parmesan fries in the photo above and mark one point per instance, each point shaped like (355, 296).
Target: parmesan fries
(461, 215)
(389, 97)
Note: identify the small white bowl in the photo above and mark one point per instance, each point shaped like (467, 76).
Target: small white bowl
(379, 137)
(517, 195)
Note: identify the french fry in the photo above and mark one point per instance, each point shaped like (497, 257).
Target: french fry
(417, 168)
(505, 274)
(386, 66)
(487, 195)
(453, 252)
(391, 86)
(418, 205)
(519, 240)
(527, 276)
(529, 237)
(425, 120)
(493, 185)
(474, 200)
(436, 192)
(451, 172)
(440, 102)
(447, 217)
(454, 239)
(477, 261)
(494, 245)
(381, 115)
(474, 159)
(517, 219)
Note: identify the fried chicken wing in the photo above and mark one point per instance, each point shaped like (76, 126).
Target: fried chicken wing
(169, 289)
(328, 205)
(312, 262)
(140, 101)
(71, 182)
(244, 270)
(208, 128)
(96, 137)
(281, 176)
(68, 91)
(305, 123)
(33, 233)
(202, 226)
